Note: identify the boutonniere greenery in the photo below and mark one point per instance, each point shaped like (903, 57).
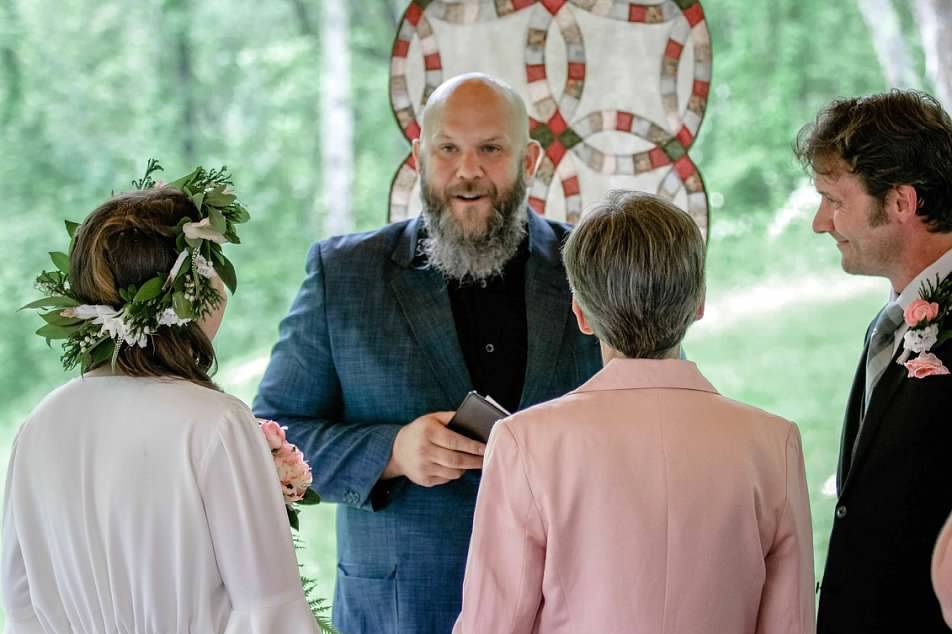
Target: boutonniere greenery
(930, 324)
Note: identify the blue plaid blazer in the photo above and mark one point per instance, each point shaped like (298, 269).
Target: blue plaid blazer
(369, 345)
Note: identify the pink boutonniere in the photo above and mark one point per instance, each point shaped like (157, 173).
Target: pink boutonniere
(927, 318)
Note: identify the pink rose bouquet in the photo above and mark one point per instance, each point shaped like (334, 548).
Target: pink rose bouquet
(294, 474)
(295, 478)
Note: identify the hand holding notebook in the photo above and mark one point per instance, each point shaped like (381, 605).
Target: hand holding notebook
(476, 416)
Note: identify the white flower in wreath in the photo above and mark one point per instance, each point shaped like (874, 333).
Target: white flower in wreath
(203, 230)
(170, 318)
(117, 328)
(921, 339)
(96, 312)
(203, 266)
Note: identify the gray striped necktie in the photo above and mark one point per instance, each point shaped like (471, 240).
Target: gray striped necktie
(881, 347)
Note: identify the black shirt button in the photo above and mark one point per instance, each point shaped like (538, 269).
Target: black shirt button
(490, 347)
(840, 512)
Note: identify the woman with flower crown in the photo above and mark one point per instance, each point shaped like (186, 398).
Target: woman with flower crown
(139, 497)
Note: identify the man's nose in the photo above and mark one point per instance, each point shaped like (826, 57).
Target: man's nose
(823, 219)
(469, 166)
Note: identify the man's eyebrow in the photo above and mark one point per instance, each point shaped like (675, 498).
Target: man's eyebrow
(499, 138)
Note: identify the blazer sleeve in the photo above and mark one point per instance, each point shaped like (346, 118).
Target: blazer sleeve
(17, 601)
(787, 602)
(942, 571)
(250, 532)
(301, 390)
(502, 590)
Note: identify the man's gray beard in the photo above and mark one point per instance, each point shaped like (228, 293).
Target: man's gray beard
(472, 258)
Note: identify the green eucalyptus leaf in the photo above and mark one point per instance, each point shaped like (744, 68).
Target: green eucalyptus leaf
(50, 302)
(218, 198)
(231, 236)
(60, 260)
(182, 307)
(292, 517)
(184, 181)
(310, 497)
(943, 337)
(227, 274)
(193, 242)
(149, 290)
(198, 199)
(186, 268)
(102, 351)
(57, 332)
(217, 220)
(71, 227)
(238, 214)
(58, 319)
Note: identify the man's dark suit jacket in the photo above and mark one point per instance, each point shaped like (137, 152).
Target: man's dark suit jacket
(894, 496)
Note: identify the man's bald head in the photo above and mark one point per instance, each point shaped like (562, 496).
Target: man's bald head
(475, 160)
(470, 90)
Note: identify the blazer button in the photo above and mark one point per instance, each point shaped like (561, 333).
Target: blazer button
(840, 512)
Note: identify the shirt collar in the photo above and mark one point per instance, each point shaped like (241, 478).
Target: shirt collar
(941, 268)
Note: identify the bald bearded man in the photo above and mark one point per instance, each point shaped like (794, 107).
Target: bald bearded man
(389, 332)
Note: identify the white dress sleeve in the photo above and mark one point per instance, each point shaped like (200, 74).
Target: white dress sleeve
(250, 532)
(17, 603)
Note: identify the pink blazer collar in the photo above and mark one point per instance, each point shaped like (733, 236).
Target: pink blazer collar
(633, 374)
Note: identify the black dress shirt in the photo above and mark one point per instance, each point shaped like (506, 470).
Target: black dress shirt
(490, 317)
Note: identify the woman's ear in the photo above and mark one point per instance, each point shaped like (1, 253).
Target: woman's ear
(580, 317)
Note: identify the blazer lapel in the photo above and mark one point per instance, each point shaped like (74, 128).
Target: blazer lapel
(854, 409)
(421, 293)
(883, 394)
(548, 302)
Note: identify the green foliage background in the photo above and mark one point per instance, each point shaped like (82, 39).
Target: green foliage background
(89, 90)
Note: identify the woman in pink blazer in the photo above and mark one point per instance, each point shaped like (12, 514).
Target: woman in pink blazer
(644, 501)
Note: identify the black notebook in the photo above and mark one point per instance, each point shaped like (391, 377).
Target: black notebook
(476, 416)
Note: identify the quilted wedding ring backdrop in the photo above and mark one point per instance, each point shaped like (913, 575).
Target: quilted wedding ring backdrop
(616, 91)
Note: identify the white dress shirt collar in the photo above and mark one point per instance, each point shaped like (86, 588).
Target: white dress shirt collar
(941, 268)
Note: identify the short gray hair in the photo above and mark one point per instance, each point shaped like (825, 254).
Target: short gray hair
(635, 264)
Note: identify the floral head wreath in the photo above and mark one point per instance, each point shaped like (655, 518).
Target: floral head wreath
(93, 333)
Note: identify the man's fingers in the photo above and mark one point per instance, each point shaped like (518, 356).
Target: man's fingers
(449, 439)
(437, 471)
(443, 417)
(457, 460)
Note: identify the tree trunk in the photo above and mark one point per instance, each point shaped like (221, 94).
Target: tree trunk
(891, 50)
(337, 118)
(304, 17)
(186, 79)
(12, 75)
(176, 25)
(935, 26)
